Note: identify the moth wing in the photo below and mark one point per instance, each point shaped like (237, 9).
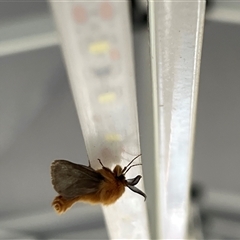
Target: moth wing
(71, 180)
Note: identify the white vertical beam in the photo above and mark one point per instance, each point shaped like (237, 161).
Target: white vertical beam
(176, 29)
(96, 41)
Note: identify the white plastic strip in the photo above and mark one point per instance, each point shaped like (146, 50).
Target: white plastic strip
(176, 29)
(96, 41)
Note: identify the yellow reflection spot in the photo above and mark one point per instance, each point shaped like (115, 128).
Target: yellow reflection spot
(113, 137)
(99, 47)
(107, 97)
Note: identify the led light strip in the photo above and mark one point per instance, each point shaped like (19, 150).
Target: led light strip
(100, 66)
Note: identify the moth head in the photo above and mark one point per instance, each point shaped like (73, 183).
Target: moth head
(130, 183)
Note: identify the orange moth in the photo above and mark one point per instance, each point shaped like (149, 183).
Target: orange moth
(75, 182)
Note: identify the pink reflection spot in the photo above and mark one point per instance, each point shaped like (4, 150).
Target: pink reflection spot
(114, 54)
(79, 14)
(106, 153)
(106, 10)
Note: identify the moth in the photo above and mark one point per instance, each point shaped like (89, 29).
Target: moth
(75, 182)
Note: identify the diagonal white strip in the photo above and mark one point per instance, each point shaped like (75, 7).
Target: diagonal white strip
(176, 30)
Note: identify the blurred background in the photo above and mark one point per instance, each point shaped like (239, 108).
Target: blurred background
(38, 123)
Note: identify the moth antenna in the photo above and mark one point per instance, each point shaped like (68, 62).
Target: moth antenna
(125, 168)
(101, 162)
(131, 167)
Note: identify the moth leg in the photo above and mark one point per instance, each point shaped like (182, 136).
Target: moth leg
(101, 162)
(89, 163)
(61, 204)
